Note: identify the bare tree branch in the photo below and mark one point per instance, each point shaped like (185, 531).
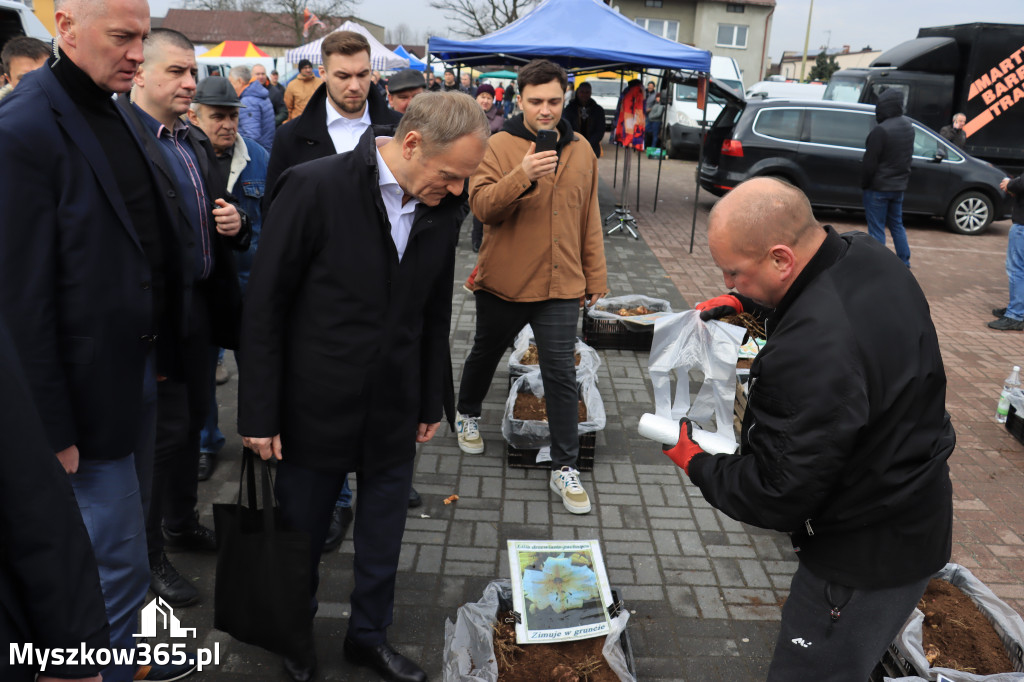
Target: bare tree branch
(289, 13)
(479, 17)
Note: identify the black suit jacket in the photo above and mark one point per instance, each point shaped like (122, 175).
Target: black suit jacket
(306, 138)
(74, 280)
(221, 289)
(49, 585)
(344, 347)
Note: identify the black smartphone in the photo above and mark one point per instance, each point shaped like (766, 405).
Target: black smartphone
(546, 140)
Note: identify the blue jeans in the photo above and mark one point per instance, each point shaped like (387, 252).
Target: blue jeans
(107, 492)
(883, 209)
(211, 440)
(1015, 272)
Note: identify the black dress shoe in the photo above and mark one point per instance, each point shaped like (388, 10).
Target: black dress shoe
(166, 582)
(385, 661)
(300, 671)
(341, 519)
(207, 463)
(198, 537)
(414, 499)
(998, 312)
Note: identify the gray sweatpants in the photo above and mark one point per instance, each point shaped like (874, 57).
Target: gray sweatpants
(814, 647)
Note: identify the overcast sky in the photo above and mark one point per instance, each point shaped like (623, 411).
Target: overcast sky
(857, 23)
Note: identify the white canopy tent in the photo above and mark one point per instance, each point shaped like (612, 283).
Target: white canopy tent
(381, 58)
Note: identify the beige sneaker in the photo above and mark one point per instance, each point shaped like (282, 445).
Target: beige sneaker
(566, 482)
(470, 440)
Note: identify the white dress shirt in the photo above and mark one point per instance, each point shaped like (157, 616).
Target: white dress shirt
(345, 132)
(399, 216)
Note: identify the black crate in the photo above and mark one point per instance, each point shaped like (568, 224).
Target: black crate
(527, 458)
(1015, 425)
(614, 335)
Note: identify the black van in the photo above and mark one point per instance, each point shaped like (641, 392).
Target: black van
(818, 146)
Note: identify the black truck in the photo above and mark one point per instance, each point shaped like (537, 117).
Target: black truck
(976, 69)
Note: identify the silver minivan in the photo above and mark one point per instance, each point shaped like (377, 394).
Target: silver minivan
(16, 19)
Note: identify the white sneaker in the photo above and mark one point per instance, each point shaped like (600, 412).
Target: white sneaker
(468, 430)
(566, 482)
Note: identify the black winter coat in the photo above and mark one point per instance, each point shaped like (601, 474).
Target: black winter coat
(49, 585)
(587, 120)
(889, 148)
(846, 436)
(306, 138)
(344, 348)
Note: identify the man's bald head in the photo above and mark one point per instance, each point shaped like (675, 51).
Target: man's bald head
(760, 213)
(103, 38)
(762, 235)
(83, 9)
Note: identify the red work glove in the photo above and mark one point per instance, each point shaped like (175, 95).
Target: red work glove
(682, 452)
(719, 307)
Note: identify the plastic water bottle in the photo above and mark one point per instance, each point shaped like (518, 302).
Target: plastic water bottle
(1011, 382)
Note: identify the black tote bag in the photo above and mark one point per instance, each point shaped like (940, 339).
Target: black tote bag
(262, 593)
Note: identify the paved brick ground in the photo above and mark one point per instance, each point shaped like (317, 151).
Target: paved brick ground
(703, 590)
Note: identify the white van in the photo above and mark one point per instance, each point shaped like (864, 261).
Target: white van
(783, 90)
(683, 118)
(18, 20)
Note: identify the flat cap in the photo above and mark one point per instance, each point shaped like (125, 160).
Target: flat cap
(406, 79)
(216, 91)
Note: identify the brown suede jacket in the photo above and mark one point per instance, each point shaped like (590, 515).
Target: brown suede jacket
(542, 240)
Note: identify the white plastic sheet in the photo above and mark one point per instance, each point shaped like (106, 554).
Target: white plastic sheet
(589, 359)
(469, 641)
(1007, 623)
(633, 322)
(682, 344)
(527, 434)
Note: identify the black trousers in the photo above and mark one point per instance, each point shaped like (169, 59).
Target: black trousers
(307, 498)
(814, 647)
(554, 327)
(180, 412)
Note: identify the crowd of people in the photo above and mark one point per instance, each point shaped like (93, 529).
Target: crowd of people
(149, 221)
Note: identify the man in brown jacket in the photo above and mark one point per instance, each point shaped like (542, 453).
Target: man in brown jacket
(542, 254)
(302, 87)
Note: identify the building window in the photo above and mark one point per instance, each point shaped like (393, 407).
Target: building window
(660, 27)
(652, 3)
(732, 35)
(735, 7)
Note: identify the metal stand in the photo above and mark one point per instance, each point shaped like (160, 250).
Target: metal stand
(621, 215)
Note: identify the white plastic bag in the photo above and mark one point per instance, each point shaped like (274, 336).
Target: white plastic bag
(1005, 620)
(684, 343)
(589, 359)
(469, 641)
(633, 322)
(528, 434)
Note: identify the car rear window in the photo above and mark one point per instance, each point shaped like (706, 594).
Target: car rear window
(783, 124)
(838, 128)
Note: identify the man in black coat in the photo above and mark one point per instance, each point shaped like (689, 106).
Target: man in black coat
(586, 117)
(345, 94)
(888, 153)
(954, 132)
(49, 586)
(82, 281)
(208, 227)
(845, 439)
(337, 115)
(345, 342)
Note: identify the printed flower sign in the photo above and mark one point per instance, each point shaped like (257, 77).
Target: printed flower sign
(560, 590)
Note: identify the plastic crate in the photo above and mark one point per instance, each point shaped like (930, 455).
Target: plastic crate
(614, 335)
(527, 459)
(1015, 424)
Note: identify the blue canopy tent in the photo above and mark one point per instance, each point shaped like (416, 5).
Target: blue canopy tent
(414, 62)
(602, 40)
